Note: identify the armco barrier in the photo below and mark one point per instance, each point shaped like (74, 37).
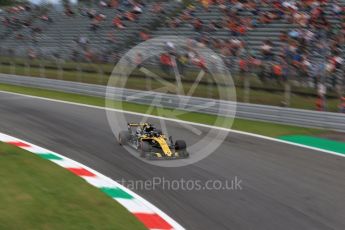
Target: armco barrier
(305, 118)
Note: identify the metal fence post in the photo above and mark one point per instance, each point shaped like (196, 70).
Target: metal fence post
(148, 83)
(42, 69)
(287, 93)
(246, 87)
(101, 74)
(27, 67)
(13, 67)
(59, 62)
(79, 70)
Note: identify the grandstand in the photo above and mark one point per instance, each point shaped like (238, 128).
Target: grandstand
(299, 40)
(61, 35)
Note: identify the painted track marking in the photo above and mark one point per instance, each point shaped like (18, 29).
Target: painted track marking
(145, 212)
(178, 121)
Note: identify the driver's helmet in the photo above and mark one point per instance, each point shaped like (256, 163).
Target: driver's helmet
(138, 131)
(158, 133)
(147, 127)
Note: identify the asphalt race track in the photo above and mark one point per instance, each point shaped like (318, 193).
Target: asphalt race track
(283, 186)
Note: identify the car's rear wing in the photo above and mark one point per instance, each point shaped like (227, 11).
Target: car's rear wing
(136, 124)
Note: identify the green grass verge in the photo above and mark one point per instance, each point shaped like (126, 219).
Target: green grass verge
(258, 127)
(37, 194)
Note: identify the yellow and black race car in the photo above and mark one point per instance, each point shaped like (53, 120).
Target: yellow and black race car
(152, 143)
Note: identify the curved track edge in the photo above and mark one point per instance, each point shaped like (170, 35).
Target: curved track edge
(181, 121)
(151, 216)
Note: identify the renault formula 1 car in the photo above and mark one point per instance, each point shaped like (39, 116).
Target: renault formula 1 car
(152, 143)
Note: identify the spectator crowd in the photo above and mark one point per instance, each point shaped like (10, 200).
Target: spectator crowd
(311, 52)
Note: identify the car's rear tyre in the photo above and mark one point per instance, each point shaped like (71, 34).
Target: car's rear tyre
(123, 137)
(144, 149)
(180, 145)
(181, 148)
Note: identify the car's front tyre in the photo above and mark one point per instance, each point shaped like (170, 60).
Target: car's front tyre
(144, 149)
(123, 137)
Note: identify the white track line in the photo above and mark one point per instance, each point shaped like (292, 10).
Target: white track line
(179, 121)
